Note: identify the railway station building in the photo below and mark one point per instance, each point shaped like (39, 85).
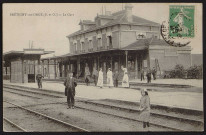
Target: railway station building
(22, 66)
(116, 39)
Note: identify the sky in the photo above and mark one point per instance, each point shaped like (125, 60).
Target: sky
(49, 32)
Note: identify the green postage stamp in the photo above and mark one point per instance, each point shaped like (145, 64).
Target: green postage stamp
(181, 21)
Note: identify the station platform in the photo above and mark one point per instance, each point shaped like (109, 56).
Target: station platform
(188, 82)
(166, 83)
(177, 99)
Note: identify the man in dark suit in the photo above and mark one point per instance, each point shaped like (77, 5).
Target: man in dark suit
(116, 76)
(148, 76)
(70, 84)
(154, 71)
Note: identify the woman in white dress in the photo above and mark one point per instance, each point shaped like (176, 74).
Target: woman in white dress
(109, 78)
(100, 78)
(125, 80)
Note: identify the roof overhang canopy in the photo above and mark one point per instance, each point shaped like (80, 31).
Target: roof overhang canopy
(17, 54)
(141, 44)
(28, 51)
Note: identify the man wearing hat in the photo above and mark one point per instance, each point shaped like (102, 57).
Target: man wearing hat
(70, 84)
(148, 76)
(154, 72)
(116, 77)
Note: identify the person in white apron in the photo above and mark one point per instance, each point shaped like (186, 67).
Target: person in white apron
(125, 80)
(100, 78)
(145, 108)
(109, 78)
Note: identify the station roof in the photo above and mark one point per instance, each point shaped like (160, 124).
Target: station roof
(118, 18)
(71, 54)
(29, 51)
(55, 57)
(26, 52)
(142, 44)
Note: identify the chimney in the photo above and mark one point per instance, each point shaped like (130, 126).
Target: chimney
(128, 8)
(81, 25)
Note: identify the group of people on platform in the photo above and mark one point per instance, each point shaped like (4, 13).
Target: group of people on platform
(149, 74)
(112, 77)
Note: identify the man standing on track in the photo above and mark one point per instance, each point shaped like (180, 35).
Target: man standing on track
(70, 84)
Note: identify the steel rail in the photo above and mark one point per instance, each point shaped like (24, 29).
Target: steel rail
(21, 94)
(12, 123)
(151, 123)
(31, 91)
(152, 113)
(48, 117)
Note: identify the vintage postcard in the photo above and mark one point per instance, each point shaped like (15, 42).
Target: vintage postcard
(102, 67)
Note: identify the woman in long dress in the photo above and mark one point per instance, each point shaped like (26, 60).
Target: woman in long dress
(145, 108)
(109, 78)
(125, 80)
(100, 78)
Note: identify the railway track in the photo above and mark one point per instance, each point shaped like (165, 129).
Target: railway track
(153, 112)
(131, 119)
(43, 120)
(12, 126)
(36, 92)
(157, 119)
(21, 94)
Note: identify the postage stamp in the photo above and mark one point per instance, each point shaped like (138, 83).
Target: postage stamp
(181, 21)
